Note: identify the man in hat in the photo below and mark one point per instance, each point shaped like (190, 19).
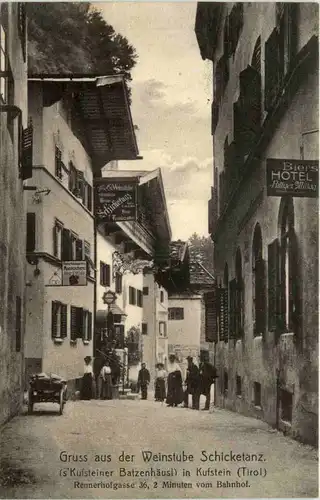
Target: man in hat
(144, 380)
(192, 385)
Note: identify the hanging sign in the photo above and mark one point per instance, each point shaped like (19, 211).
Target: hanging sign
(74, 273)
(292, 177)
(115, 200)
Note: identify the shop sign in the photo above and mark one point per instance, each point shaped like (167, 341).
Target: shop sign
(74, 273)
(292, 177)
(115, 200)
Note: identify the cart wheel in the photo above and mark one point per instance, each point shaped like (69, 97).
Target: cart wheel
(61, 403)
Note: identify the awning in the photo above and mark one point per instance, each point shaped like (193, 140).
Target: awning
(102, 111)
(101, 315)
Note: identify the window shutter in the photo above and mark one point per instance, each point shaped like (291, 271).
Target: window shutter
(261, 298)
(31, 232)
(80, 184)
(108, 274)
(54, 311)
(80, 322)
(101, 273)
(211, 311)
(64, 319)
(233, 308)
(73, 323)
(223, 313)
(66, 245)
(273, 285)
(27, 152)
(272, 74)
(89, 326)
(118, 283)
(89, 202)
(55, 240)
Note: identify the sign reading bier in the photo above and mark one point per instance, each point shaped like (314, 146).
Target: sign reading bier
(292, 177)
(115, 199)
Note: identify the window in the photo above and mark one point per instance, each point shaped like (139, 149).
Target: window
(132, 296)
(286, 400)
(118, 284)
(58, 162)
(80, 324)
(57, 239)
(104, 274)
(26, 151)
(72, 177)
(176, 313)
(238, 386)
(87, 195)
(31, 232)
(18, 324)
(225, 382)
(162, 328)
(258, 284)
(139, 298)
(257, 394)
(87, 325)
(59, 320)
(145, 290)
(144, 328)
(161, 296)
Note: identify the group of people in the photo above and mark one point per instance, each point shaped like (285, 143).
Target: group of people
(104, 386)
(169, 385)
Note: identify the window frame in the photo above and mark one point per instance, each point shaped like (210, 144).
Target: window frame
(59, 320)
(176, 313)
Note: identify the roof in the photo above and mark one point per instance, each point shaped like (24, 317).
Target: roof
(178, 250)
(101, 107)
(199, 275)
(101, 314)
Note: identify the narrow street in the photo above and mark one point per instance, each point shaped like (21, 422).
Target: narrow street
(258, 461)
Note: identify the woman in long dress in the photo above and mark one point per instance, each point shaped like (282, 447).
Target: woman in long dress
(106, 381)
(175, 391)
(160, 384)
(87, 379)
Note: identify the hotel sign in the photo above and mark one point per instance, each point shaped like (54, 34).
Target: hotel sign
(292, 177)
(115, 200)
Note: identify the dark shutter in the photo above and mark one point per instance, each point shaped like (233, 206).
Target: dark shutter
(27, 152)
(31, 232)
(80, 322)
(260, 297)
(55, 240)
(118, 283)
(272, 69)
(89, 326)
(89, 199)
(54, 314)
(211, 311)
(73, 323)
(273, 285)
(66, 245)
(223, 313)
(80, 184)
(107, 274)
(18, 324)
(64, 319)
(233, 308)
(79, 249)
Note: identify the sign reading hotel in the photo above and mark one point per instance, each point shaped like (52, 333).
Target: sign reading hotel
(115, 200)
(292, 177)
(74, 273)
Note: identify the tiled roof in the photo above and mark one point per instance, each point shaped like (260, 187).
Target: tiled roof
(177, 249)
(199, 275)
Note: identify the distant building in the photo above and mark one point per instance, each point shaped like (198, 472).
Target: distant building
(14, 169)
(263, 213)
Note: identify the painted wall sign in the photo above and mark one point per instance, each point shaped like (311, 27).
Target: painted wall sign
(292, 177)
(115, 200)
(74, 273)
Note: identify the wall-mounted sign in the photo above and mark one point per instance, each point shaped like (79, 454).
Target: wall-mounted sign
(115, 200)
(292, 177)
(74, 273)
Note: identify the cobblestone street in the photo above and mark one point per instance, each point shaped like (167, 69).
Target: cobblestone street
(33, 466)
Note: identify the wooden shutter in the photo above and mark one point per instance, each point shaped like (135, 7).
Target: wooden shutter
(73, 323)
(107, 274)
(89, 326)
(54, 314)
(66, 245)
(80, 184)
(55, 240)
(272, 75)
(273, 285)
(223, 313)
(64, 319)
(118, 283)
(80, 322)
(79, 249)
(31, 232)
(211, 320)
(27, 152)
(89, 199)
(260, 303)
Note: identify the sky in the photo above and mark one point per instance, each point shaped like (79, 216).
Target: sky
(171, 105)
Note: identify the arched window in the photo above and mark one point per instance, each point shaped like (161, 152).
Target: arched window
(289, 271)
(258, 284)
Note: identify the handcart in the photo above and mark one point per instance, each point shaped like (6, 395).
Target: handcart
(45, 388)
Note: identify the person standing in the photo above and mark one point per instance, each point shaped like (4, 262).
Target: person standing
(160, 383)
(175, 391)
(192, 385)
(87, 379)
(144, 380)
(106, 381)
(208, 375)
